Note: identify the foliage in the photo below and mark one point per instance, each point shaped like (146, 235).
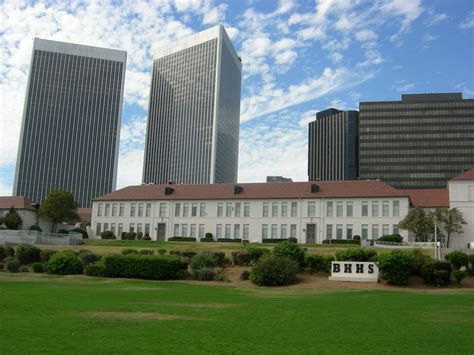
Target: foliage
(274, 270)
(64, 263)
(35, 227)
(87, 257)
(290, 250)
(356, 254)
(451, 221)
(394, 238)
(27, 254)
(144, 267)
(208, 236)
(203, 260)
(219, 256)
(13, 265)
(274, 240)
(420, 222)
(59, 206)
(356, 238)
(470, 264)
(245, 275)
(341, 241)
(208, 240)
(37, 267)
(188, 254)
(107, 235)
(46, 254)
(24, 268)
(419, 260)
(182, 239)
(459, 275)
(139, 235)
(241, 257)
(12, 219)
(161, 251)
(129, 235)
(317, 263)
(436, 273)
(81, 231)
(128, 251)
(146, 237)
(229, 240)
(95, 269)
(457, 259)
(293, 239)
(256, 253)
(146, 252)
(395, 267)
(3, 252)
(204, 274)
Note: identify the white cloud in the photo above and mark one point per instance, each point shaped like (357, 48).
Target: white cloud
(434, 18)
(468, 22)
(408, 10)
(403, 86)
(130, 168)
(372, 57)
(365, 35)
(335, 57)
(428, 38)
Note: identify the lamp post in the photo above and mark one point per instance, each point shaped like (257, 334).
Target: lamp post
(435, 239)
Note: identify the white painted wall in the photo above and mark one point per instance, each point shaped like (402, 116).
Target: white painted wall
(29, 219)
(461, 196)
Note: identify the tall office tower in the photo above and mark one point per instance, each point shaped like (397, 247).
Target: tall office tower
(71, 121)
(421, 141)
(194, 111)
(333, 146)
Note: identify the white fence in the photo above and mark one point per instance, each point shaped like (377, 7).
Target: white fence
(34, 237)
(403, 245)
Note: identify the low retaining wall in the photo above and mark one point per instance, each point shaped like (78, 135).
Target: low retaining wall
(34, 237)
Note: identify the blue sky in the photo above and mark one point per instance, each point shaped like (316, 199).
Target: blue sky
(299, 57)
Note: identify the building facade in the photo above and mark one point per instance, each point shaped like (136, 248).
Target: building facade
(194, 111)
(422, 141)
(307, 211)
(71, 121)
(333, 150)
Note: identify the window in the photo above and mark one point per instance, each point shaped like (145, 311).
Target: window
(349, 209)
(99, 210)
(349, 231)
(185, 209)
(121, 210)
(247, 209)
(201, 231)
(246, 232)
(293, 230)
(219, 231)
(396, 208)
(283, 231)
(133, 210)
(339, 231)
(375, 208)
(311, 209)
(140, 209)
(139, 228)
(237, 209)
(176, 230)
(339, 209)
(228, 209)
(294, 209)
(227, 230)
(120, 229)
(220, 209)
(264, 231)
(106, 226)
(265, 209)
(375, 231)
(162, 211)
(395, 229)
(236, 231)
(284, 209)
(328, 209)
(184, 230)
(194, 209)
(385, 229)
(148, 210)
(107, 209)
(385, 211)
(98, 228)
(365, 208)
(112, 228)
(114, 210)
(131, 227)
(328, 231)
(275, 209)
(147, 229)
(193, 231)
(177, 209)
(202, 209)
(274, 231)
(365, 231)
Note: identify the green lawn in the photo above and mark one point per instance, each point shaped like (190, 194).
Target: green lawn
(77, 314)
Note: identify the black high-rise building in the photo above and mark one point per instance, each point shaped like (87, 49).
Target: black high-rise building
(333, 146)
(422, 141)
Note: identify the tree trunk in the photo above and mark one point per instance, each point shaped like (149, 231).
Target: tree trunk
(53, 227)
(447, 240)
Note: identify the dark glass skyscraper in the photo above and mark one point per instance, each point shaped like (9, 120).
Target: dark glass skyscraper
(194, 111)
(333, 146)
(71, 121)
(422, 141)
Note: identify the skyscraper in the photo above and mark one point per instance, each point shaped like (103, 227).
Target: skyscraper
(71, 121)
(333, 146)
(194, 111)
(422, 141)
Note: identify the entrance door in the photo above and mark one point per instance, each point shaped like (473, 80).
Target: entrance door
(310, 233)
(161, 232)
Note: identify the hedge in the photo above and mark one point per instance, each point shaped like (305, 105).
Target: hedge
(241, 258)
(394, 238)
(208, 240)
(81, 231)
(274, 240)
(229, 240)
(458, 259)
(182, 239)
(317, 263)
(341, 241)
(107, 235)
(64, 263)
(290, 250)
(436, 273)
(274, 271)
(396, 267)
(356, 254)
(27, 254)
(144, 267)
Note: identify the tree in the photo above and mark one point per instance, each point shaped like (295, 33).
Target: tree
(451, 221)
(420, 222)
(12, 219)
(59, 206)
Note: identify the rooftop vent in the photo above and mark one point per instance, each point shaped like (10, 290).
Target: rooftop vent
(238, 189)
(314, 188)
(168, 190)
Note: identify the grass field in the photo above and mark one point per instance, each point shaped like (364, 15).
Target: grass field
(77, 314)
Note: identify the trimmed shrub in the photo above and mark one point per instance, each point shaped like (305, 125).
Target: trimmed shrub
(274, 240)
(204, 274)
(290, 250)
(139, 235)
(219, 256)
(393, 238)
(146, 252)
(107, 235)
(146, 237)
(10, 251)
(161, 251)
(128, 251)
(356, 254)
(24, 268)
(87, 257)
(208, 240)
(395, 267)
(13, 265)
(245, 275)
(27, 254)
(208, 236)
(457, 259)
(459, 275)
(317, 263)
(96, 269)
(129, 236)
(341, 241)
(3, 253)
(144, 267)
(175, 252)
(436, 273)
(241, 258)
(274, 271)
(419, 260)
(229, 240)
(81, 231)
(203, 260)
(64, 263)
(256, 253)
(293, 239)
(356, 238)
(188, 254)
(123, 236)
(35, 227)
(46, 254)
(37, 267)
(182, 239)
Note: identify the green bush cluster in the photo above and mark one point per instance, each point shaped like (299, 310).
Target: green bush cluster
(395, 267)
(274, 270)
(256, 253)
(27, 254)
(229, 240)
(290, 250)
(436, 273)
(317, 263)
(204, 274)
(107, 235)
(393, 238)
(96, 269)
(80, 231)
(241, 258)
(457, 259)
(64, 263)
(203, 260)
(188, 254)
(87, 257)
(37, 267)
(6, 252)
(46, 254)
(182, 239)
(293, 239)
(356, 254)
(13, 265)
(128, 251)
(274, 240)
(341, 241)
(35, 227)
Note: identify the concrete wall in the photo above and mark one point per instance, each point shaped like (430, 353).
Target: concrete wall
(461, 196)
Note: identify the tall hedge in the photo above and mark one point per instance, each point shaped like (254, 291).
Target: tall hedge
(27, 254)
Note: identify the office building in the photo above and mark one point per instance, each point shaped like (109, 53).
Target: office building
(333, 146)
(278, 179)
(194, 111)
(71, 121)
(422, 141)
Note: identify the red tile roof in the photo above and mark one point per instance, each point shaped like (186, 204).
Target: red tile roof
(336, 189)
(85, 214)
(467, 175)
(428, 198)
(19, 202)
